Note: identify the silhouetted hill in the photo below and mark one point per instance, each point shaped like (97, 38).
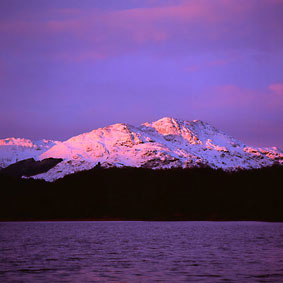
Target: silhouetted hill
(146, 194)
(30, 167)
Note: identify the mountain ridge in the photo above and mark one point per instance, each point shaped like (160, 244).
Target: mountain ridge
(165, 143)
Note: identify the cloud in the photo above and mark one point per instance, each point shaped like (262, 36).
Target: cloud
(236, 97)
(81, 56)
(231, 96)
(176, 28)
(212, 63)
(277, 89)
(249, 114)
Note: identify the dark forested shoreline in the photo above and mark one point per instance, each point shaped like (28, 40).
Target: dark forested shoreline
(145, 194)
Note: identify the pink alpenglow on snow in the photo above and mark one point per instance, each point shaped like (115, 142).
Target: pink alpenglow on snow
(165, 143)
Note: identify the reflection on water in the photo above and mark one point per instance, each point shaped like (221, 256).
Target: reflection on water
(141, 251)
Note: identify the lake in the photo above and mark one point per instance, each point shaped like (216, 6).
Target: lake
(141, 251)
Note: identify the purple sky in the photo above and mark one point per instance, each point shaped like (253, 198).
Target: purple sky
(70, 66)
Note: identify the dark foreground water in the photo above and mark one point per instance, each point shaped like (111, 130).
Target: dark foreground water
(141, 251)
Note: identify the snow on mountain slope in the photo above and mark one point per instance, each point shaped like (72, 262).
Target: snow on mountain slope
(16, 149)
(165, 143)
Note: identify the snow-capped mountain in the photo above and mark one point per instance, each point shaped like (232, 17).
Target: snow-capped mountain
(165, 143)
(16, 149)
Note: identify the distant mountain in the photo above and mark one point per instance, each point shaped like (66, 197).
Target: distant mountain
(165, 143)
(16, 149)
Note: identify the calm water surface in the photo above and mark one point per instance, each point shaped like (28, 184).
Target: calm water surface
(141, 251)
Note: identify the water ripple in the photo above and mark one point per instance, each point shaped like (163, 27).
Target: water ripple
(141, 252)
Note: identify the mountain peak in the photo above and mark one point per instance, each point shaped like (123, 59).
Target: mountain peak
(174, 121)
(168, 119)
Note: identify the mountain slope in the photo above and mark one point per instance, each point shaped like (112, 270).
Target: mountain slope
(165, 143)
(13, 150)
(29, 167)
